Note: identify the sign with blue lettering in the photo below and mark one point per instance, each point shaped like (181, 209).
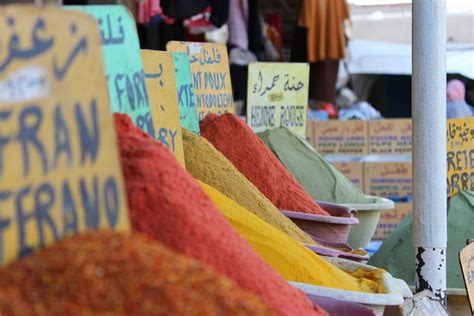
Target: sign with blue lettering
(277, 96)
(161, 85)
(186, 98)
(59, 165)
(211, 76)
(123, 64)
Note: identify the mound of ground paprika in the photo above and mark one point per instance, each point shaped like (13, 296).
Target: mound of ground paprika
(166, 203)
(232, 137)
(110, 273)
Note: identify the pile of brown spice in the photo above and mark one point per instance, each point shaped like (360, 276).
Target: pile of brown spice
(109, 273)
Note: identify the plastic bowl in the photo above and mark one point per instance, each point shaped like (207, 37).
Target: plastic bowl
(328, 252)
(397, 290)
(341, 308)
(368, 215)
(334, 228)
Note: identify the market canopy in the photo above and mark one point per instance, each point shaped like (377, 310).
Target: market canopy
(375, 57)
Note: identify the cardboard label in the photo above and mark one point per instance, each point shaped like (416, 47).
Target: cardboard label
(388, 179)
(211, 76)
(466, 258)
(186, 98)
(460, 155)
(390, 136)
(341, 137)
(123, 64)
(161, 85)
(277, 95)
(389, 219)
(59, 166)
(353, 170)
(310, 133)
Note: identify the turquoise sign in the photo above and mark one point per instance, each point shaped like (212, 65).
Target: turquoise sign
(186, 97)
(123, 63)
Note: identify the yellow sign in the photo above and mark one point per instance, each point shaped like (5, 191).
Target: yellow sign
(163, 95)
(277, 96)
(466, 257)
(460, 156)
(211, 76)
(59, 166)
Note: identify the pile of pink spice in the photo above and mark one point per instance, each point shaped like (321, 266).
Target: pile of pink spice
(167, 204)
(249, 154)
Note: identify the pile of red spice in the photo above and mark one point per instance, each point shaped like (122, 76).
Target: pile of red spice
(166, 203)
(109, 273)
(233, 138)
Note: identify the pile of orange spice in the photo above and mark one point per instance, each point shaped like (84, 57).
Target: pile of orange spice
(109, 273)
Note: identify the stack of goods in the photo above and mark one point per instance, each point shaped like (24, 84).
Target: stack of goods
(233, 138)
(288, 257)
(319, 178)
(207, 164)
(167, 204)
(111, 273)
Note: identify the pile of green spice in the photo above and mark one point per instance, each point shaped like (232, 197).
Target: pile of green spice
(233, 138)
(167, 204)
(399, 243)
(109, 273)
(319, 178)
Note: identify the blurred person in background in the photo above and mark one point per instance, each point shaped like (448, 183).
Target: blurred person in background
(320, 39)
(456, 106)
(351, 108)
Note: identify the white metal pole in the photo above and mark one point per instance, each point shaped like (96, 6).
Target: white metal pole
(429, 144)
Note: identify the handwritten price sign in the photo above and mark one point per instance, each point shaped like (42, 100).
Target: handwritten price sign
(211, 76)
(161, 86)
(466, 258)
(59, 166)
(460, 156)
(123, 64)
(277, 96)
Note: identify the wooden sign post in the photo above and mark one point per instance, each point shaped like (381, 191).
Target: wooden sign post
(186, 98)
(123, 64)
(59, 164)
(460, 156)
(161, 86)
(466, 258)
(277, 96)
(211, 76)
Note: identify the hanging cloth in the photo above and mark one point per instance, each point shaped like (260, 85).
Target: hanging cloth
(148, 9)
(238, 20)
(324, 21)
